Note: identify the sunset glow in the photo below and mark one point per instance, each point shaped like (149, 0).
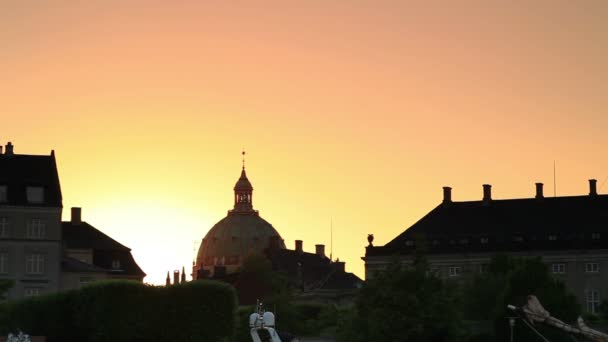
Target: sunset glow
(355, 112)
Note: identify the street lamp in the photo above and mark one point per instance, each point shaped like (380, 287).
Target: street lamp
(512, 325)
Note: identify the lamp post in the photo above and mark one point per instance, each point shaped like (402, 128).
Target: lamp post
(511, 325)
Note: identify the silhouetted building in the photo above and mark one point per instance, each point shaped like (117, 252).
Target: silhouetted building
(240, 234)
(460, 238)
(244, 233)
(90, 255)
(39, 253)
(30, 223)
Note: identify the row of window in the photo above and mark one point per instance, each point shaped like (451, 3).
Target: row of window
(556, 268)
(485, 240)
(34, 263)
(33, 194)
(35, 228)
(590, 267)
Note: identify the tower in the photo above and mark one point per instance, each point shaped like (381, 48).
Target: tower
(243, 193)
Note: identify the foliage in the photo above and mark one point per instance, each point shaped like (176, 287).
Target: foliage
(5, 285)
(510, 281)
(257, 281)
(127, 311)
(404, 304)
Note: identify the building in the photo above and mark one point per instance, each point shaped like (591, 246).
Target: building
(90, 255)
(243, 233)
(30, 223)
(460, 238)
(37, 250)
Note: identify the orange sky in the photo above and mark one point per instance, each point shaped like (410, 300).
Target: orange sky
(358, 111)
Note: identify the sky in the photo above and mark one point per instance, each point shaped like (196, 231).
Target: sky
(353, 113)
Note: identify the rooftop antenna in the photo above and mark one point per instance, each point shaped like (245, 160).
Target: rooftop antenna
(554, 181)
(331, 238)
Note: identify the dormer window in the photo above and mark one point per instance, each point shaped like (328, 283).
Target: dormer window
(484, 240)
(595, 236)
(552, 237)
(34, 194)
(409, 243)
(3, 193)
(115, 264)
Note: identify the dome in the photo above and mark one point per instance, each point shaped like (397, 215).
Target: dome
(243, 183)
(240, 234)
(234, 238)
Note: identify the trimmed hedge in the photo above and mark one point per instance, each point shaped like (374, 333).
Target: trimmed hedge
(127, 311)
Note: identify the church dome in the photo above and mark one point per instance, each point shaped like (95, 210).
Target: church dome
(240, 234)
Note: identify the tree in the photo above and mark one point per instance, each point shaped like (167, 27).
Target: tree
(406, 303)
(5, 285)
(510, 281)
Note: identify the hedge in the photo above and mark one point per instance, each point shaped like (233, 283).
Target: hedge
(127, 311)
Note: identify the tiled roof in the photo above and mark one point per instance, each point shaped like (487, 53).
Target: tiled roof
(105, 249)
(83, 235)
(17, 171)
(551, 223)
(317, 272)
(72, 265)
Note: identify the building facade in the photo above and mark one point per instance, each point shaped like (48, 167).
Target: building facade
(30, 223)
(570, 234)
(39, 253)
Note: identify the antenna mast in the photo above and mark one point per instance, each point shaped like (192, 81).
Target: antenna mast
(554, 181)
(331, 238)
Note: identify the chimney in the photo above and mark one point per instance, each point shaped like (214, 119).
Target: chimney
(320, 250)
(487, 193)
(339, 266)
(9, 148)
(176, 277)
(447, 194)
(1, 149)
(592, 187)
(539, 191)
(76, 215)
(299, 247)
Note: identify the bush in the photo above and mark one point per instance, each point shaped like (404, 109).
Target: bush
(127, 311)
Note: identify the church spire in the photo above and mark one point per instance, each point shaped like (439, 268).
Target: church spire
(243, 192)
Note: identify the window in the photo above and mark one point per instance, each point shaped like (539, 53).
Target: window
(552, 237)
(454, 271)
(483, 268)
(463, 241)
(3, 193)
(3, 227)
(31, 291)
(595, 236)
(518, 238)
(592, 267)
(3, 263)
(484, 240)
(558, 268)
(36, 229)
(409, 243)
(115, 264)
(592, 299)
(435, 242)
(34, 264)
(34, 194)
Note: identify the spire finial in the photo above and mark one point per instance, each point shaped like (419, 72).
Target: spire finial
(243, 153)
